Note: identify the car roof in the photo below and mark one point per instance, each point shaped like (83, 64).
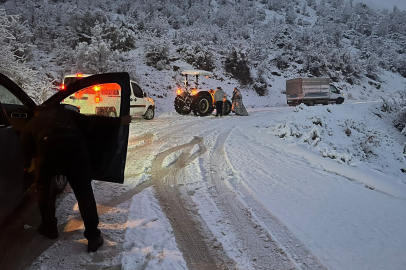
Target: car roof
(197, 72)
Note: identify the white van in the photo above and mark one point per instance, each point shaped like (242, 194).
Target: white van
(311, 91)
(104, 99)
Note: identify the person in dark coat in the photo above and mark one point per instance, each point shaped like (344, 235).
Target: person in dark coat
(55, 137)
(218, 98)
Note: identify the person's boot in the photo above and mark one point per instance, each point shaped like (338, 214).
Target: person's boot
(49, 228)
(94, 244)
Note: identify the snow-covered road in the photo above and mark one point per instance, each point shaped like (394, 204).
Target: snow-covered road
(233, 193)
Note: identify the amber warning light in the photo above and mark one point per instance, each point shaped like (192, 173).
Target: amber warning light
(179, 91)
(79, 75)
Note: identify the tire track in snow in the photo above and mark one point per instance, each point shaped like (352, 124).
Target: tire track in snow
(256, 242)
(301, 255)
(136, 154)
(188, 233)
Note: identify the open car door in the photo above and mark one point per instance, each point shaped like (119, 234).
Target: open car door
(105, 95)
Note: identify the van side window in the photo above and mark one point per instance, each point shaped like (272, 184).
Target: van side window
(137, 90)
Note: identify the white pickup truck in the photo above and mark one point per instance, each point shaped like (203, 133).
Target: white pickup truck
(105, 99)
(312, 91)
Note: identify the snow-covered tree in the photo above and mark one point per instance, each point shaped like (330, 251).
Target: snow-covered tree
(290, 15)
(96, 56)
(13, 64)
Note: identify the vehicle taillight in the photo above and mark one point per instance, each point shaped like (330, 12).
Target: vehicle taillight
(63, 87)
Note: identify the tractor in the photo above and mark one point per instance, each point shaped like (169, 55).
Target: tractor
(192, 99)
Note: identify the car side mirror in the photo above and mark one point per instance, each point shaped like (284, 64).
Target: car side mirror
(145, 94)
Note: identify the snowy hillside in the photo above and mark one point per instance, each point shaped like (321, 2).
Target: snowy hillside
(255, 45)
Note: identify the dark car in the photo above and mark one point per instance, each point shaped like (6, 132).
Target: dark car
(107, 145)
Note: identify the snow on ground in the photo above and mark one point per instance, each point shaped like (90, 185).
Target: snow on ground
(348, 224)
(361, 141)
(137, 235)
(148, 238)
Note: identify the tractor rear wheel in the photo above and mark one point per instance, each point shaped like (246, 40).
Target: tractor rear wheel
(204, 105)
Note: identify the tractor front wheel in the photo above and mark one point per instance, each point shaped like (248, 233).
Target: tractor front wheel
(181, 107)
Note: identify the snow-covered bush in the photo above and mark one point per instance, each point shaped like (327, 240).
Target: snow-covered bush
(400, 119)
(40, 91)
(237, 64)
(401, 65)
(290, 15)
(13, 65)
(313, 137)
(341, 158)
(300, 107)
(97, 56)
(282, 61)
(21, 43)
(120, 37)
(197, 56)
(157, 24)
(260, 83)
(396, 106)
(287, 130)
(157, 51)
(369, 143)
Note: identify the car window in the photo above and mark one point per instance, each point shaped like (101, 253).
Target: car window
(137, 90)
(101, 99)
(6, 97)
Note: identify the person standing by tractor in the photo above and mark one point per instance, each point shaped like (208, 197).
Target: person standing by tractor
(218, 98)
(238, 107)
(56, 138)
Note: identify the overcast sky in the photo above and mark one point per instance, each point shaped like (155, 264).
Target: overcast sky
(382, 4)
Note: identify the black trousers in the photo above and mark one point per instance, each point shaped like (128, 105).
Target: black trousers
(219, 108)
(66, 154)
